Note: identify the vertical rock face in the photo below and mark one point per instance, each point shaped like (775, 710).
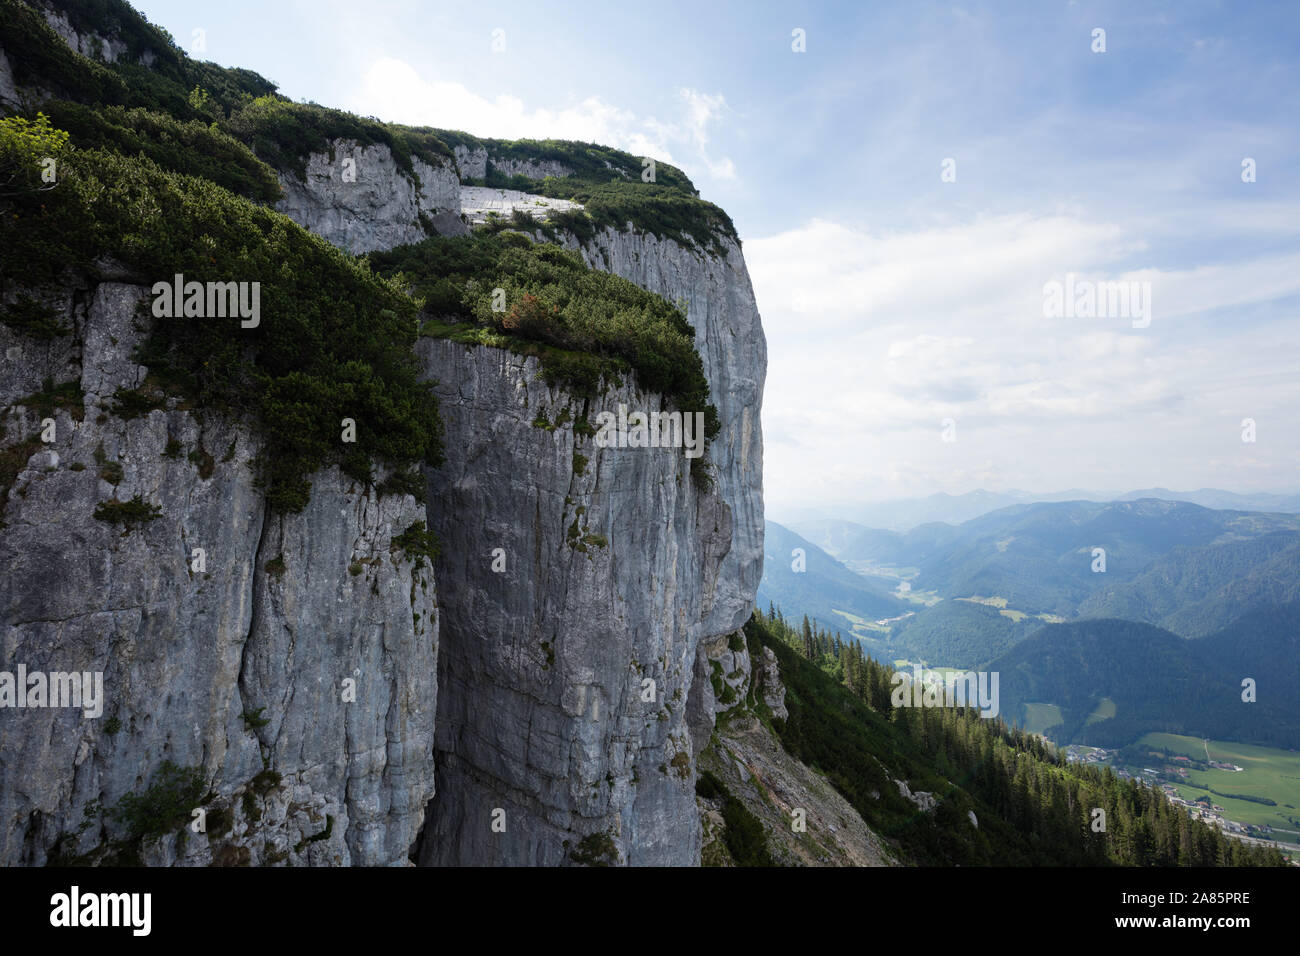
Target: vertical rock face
(616, 567)
(718, 299)
(91, 44)
(532, 168)
(474, 164)
(211, 662)
(371, 203)
(8, 90)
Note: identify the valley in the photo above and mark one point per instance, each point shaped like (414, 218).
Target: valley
(1189, 633)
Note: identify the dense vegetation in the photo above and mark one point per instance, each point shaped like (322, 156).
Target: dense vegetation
(146, 181)
(609, 185)
(173, 84)
(334, 340)
(284, 134)
(1159, 681)
(958, 633)
(1033, 808)
(743, 834)
(585, 325)
(191, 147)
(1194, 591)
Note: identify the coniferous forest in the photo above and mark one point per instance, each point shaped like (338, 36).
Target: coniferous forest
(1030, 806)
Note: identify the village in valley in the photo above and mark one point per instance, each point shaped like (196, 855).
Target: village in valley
(1166, 770)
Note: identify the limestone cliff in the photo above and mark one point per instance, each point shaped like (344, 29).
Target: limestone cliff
(224, 635)
(542, 712)
(359, 199)
(306, 668)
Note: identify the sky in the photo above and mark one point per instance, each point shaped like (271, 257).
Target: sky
(907, 187)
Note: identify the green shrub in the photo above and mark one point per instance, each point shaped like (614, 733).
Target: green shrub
(708, 786)
(284, 134)
(192, 147)
(584, 325)
(317, 837)
(219, 821)
(595, 849)
(745, 837)
(418, 542)
(205, 463)
(128, 513)
(174, 793)
(265, 781)
(253, 719)
(131, 403)
(33, 319)
(66, 395)
(335, 341)
(408, 481)
(40, 58)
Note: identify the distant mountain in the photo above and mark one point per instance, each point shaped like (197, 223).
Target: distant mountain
(1156, 680)
(1220, 499)
(1265, 645)
(1174, 570)
(1039, 557)
(958, 634)
(906, 513)
(823, 588)
(864, 547)
(1196, 591)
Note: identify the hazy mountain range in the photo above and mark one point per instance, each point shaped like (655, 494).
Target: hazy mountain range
(905, 514)
(1189, 601)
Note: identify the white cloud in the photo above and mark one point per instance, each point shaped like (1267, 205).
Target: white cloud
(875, 338)
(394, 90)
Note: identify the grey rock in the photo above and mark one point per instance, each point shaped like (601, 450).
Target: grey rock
(472, 163)
(719, 302)
(540, 711)
(923, 799)
(381, 207)
(8, 90)
(532, 168)
(768, 684)
(186, 650)
(91, 45)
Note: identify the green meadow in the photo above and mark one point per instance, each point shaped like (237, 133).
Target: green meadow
(1268, 772)
(1039, 718)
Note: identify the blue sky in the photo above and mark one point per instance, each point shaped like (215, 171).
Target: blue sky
(894, 300)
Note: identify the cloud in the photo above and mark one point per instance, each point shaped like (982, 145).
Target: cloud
(876, 337)
(394, 90)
